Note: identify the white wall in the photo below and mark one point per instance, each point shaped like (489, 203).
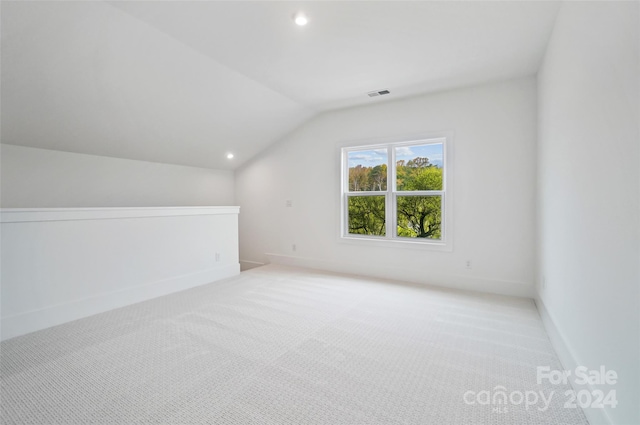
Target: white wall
(589, 196)
(36, 178)
(493, 190)
(61, 270)
(61, 265)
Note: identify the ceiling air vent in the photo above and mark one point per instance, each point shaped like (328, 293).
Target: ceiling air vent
(377, 93)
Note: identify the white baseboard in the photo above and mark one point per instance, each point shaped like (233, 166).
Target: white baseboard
(465, 282)
(56, 315)
(248, 265)
(569, 362)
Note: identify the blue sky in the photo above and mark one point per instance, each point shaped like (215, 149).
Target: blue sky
(373, 157)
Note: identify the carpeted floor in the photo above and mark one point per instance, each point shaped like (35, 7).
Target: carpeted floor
(281, 345)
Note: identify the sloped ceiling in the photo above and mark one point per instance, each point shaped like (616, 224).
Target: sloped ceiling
(186, 82)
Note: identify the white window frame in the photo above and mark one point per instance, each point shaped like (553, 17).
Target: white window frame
(391, 194)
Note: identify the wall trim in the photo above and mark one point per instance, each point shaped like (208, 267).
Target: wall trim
(569, 361)
(32, 321)
(248, 264)
(22, 215)
(455, 281)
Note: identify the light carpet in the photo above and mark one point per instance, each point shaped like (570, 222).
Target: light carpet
(281, 345)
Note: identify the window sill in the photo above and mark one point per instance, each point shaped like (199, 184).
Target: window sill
(397, 243)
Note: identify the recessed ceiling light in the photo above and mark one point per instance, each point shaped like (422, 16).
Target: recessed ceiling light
(300, 19)
(229, 156)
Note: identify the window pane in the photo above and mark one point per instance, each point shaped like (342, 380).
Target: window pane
(366, 215)
(419, 167)
(368, 170)
(420, 216)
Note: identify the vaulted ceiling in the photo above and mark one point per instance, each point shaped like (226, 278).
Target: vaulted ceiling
(186, 82)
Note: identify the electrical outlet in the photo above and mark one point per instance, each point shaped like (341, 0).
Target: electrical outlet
(217, 256)
(468, 264)
(293, 247)
(288, 203)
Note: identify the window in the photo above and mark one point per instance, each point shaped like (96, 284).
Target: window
(396, 191)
